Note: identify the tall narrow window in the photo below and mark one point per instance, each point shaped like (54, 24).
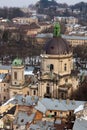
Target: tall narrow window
(22, 74)
(15, 75)
(51, 67)
(62, 95)
(34, 92)
(48, 89)
(65, 67)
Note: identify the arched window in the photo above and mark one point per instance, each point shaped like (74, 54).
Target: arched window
(15, 75)
(62, 95)
(34, 92)
(66, 80)
(51, 67)
(65, 67)
(27, 92)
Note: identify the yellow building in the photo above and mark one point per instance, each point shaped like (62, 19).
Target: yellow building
(25, 20)
(5, 69)
(75, 40)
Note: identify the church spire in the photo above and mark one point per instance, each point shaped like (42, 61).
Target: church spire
(57, 30)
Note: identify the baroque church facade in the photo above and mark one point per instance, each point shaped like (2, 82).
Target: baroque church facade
(57, 78)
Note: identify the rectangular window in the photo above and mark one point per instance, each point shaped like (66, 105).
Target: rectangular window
(48, 89)
(15, 75)
(65, 67)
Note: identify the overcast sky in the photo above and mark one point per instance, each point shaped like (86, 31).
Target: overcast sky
(25, 3)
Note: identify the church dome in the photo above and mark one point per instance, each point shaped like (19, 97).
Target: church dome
(17, 62)
(57, 46)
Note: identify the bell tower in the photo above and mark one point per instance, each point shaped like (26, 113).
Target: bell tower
(17, 72)
(17, 78)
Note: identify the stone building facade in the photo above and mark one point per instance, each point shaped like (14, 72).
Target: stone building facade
(58, 79)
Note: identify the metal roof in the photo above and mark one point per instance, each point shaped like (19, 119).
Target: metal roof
(23, 100)
(80, 124)
(22, 118)
(2, 76)
(67, 37)
(5, 67)
(54, 104)
(41, 125)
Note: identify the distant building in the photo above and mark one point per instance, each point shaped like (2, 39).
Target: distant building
(54, 109)
(66, 20)
(76, 40)
(72, 39)
(25, 20)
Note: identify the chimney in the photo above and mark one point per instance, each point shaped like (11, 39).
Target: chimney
(53, 99)
(23, 100)
(73, 102)
(60, 100)
(67, 101)
(32, 98)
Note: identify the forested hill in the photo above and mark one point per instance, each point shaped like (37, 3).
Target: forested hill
(50, 3)
(81, 6)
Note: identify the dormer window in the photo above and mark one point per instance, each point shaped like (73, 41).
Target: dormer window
(22, 120)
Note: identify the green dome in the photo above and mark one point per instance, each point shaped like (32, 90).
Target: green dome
(17, 62)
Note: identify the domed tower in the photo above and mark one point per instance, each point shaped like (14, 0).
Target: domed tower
(17, 77)
(56, 67)
(17, 73)
(57, 57)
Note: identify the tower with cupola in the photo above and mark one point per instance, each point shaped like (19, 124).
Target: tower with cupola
(17, 78)
(57, 79)
(17, 73)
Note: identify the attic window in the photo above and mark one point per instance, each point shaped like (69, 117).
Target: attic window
(22, 120)
(52, 47)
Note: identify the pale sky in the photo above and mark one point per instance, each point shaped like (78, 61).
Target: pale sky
(25, 3)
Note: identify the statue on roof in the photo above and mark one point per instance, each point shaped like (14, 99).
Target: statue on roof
(57, 30)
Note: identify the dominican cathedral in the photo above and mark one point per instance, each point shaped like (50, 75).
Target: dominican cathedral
(56, 78)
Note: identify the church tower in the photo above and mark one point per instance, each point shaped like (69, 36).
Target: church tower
(17, 73)
(17, 77)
